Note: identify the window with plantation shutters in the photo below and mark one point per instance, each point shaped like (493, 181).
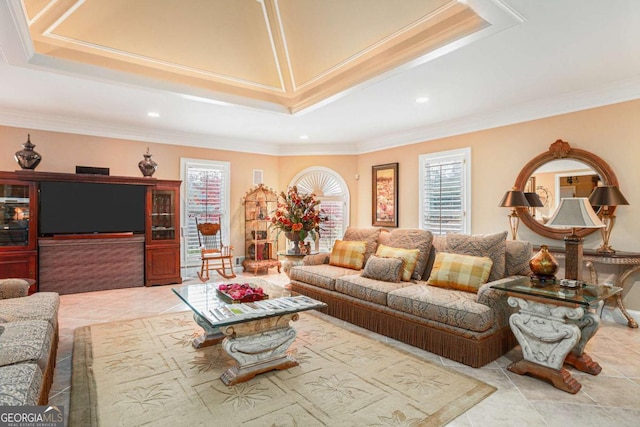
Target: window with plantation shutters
(445, 189)
(205, 198)
(332, 193)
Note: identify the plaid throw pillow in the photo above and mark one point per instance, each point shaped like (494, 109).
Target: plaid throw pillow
(410, 257)
(489, 245)
(348, 254)
(462, 272)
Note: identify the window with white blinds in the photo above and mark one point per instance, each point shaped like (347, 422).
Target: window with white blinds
(205, 197)
(334, 227)
(333, 194)
(445, 191)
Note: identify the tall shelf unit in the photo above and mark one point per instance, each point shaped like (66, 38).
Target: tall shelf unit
(154, 256)
(261, 250)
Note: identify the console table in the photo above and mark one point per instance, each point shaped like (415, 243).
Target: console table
(628, 261)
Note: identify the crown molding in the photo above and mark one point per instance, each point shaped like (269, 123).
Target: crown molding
(53, 123)
(311, 149)
(612, 93)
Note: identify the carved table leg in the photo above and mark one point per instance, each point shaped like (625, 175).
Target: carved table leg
(588, 324)
(631, 322)
(210, 336)
(620, 282)
(593, 273)
(258, 346)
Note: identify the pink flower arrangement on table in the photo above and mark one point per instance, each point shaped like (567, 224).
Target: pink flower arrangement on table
(242, 292)
(298, 215)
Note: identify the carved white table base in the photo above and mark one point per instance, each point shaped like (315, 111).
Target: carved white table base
(257, 345)
(551, 335)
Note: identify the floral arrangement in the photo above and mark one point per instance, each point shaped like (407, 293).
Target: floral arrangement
(242, 292)
(297, 215)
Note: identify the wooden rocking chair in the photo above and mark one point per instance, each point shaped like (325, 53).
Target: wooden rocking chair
(214, 254)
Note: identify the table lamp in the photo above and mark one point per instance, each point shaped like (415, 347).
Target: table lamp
(514, 199)
(534, 202)
(605, 196)
(574, 212)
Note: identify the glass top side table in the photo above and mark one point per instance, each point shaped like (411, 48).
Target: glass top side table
(553, 325)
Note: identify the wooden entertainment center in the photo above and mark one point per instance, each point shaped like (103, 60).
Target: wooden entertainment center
(82, 262)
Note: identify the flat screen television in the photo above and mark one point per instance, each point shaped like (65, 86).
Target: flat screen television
(90, 208)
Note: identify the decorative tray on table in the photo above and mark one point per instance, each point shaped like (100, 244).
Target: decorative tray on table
(240, 292)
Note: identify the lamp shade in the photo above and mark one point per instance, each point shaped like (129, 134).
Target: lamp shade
(534, 200)
(607, 195)
(575, 212)
(514, 199)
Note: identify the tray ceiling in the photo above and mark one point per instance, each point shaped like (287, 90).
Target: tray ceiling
(293, 53)
(309, 77)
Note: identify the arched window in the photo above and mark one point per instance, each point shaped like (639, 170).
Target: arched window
(332, 192)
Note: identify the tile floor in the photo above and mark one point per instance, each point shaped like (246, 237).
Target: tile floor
(609, 399)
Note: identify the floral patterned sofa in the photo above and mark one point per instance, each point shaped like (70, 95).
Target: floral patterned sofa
(468, 325)
(28, 343)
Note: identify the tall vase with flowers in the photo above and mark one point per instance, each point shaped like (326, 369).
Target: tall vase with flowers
(298, 216)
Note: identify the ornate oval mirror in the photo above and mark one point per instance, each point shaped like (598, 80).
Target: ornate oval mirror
(561, 172)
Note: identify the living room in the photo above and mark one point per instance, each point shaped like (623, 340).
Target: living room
(606, 125)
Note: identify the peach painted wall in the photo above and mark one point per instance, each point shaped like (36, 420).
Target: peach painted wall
(498, 155)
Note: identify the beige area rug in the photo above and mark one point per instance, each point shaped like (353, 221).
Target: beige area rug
(145, 372)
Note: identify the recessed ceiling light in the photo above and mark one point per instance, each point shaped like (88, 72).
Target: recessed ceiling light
(153, 114)
(304, 136)
(422, 100)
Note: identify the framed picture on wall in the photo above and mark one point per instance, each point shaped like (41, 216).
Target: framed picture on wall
(385, 195)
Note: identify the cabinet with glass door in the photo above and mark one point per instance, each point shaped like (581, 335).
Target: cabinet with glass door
(163, 240)
(18, 234)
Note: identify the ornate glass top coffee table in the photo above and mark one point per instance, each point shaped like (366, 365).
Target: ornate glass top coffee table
(255, 334)
(553, 326)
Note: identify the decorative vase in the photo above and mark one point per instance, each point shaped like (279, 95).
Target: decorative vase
(543, 265)
(27, 158)
(147, 166)
(294, 239)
